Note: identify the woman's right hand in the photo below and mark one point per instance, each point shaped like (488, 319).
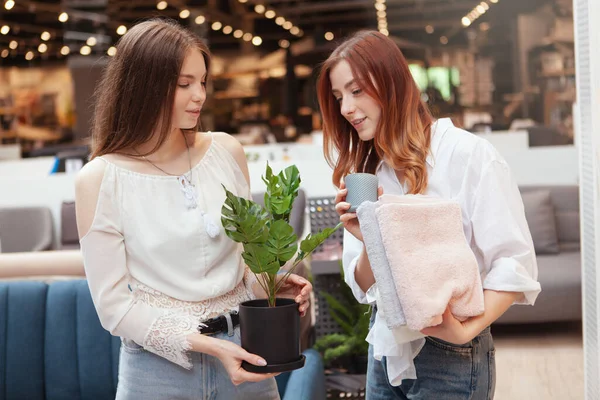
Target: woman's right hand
(231, 356)
(349, 220)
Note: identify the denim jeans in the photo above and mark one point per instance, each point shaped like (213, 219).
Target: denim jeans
(144, 375)
(445, 371)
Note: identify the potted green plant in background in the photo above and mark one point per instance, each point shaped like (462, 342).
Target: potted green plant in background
(270, 327)
(347, 350)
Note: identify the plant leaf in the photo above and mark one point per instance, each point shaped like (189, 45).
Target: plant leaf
(331, 340)
(260, 259)
(282, 190)
(244, 220)
(341, 314)
(282, 241)
(311, 242)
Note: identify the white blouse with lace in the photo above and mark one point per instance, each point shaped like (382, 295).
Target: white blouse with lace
(153, 270)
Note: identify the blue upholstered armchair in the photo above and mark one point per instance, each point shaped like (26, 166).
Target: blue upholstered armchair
(52, 347)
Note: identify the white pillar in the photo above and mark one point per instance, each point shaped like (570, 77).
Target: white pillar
(587, 43)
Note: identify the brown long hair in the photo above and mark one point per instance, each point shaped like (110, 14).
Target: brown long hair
(135, 96)
(403, 133)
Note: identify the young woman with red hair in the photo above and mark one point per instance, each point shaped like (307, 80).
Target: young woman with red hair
(374, 121)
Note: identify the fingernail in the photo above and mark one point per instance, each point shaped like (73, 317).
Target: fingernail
(302, 280)
(261, 362)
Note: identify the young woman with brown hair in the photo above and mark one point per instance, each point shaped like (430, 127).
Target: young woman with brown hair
(162, 273)
(374, 121)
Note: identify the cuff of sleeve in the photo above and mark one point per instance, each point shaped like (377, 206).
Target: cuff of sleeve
(507, 275)
(167, 337)
(360, 296)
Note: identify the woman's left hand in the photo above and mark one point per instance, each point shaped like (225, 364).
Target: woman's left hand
(452, 330)
(297, 288)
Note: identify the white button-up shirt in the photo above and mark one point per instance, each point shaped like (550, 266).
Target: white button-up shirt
(467, 169)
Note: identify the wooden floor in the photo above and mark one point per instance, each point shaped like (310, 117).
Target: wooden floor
(539, 362)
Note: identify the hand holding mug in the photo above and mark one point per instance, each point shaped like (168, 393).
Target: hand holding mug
(362, 187)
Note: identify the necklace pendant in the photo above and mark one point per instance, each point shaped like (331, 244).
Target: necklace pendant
(189, 192)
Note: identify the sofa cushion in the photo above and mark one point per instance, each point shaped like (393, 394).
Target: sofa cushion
(539, 212)
(22, 319)
(560, 298)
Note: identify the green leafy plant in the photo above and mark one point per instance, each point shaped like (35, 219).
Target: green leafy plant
(353, 318)
(269, 240)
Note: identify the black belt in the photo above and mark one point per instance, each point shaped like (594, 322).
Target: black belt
(218, 324)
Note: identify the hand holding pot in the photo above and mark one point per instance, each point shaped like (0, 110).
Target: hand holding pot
(231, 356)
(297, 288)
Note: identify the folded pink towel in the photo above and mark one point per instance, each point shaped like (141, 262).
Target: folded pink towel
(431, 262)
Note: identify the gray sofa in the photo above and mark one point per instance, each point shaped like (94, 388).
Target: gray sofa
(557, 242)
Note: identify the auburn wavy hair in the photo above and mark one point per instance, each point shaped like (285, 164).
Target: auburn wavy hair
(135, 96)
(403, 133)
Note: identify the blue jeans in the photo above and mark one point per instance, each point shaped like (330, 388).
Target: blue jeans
(144, 375)
(445, 371)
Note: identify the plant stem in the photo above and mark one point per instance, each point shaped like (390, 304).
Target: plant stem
(261, 281)
(287, 274)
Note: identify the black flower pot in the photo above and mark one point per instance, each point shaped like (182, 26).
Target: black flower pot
(272, 333)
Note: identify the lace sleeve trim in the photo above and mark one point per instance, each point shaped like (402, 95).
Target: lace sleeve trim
(167, 337)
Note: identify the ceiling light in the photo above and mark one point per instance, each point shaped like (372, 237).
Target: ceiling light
(216, 26)
(485, 5)
(259, 8)
(270, 14)
(279, 21)
(443, 40)
(42, 48)
(45, 36)
(200, 19)
(284, 43)
(29, 56)
(480, 9)
(9, 4)
(243, 1)
(63, 17)
(295, 30)
(5, 29)
(85, 50)
(238, 33)
(466, 21)
(257, 40)
(287, 25)
(5, 53)
(184, 14)
(13, 44)
(227, 29)
(247, 36)
(91, 41)
(161, 5)
(329, 36)
(112, 50)
(65, 50)
(385, 32)
(380, 6)
(493, 1)
(121, 30)
(429, 29)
